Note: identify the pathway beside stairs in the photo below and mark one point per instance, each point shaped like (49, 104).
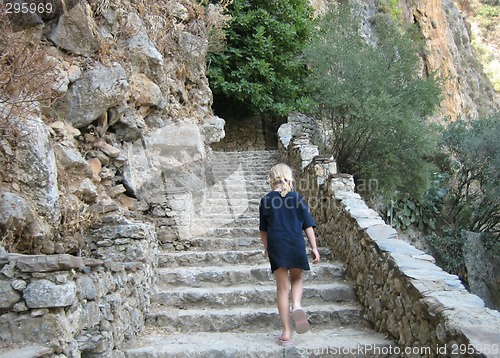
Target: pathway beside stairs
(219, 300)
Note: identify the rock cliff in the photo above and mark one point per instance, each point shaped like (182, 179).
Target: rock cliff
(446, 49)
(132, 117)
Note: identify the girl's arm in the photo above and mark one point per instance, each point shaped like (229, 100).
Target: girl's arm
(263, 237)
(312, 241)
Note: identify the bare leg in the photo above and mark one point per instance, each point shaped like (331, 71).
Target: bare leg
(283, 293)
(297, 287)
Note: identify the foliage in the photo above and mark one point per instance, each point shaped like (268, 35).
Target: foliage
(448, 252)
(27, 76)
(389, 7)
(371, 91)
(475, 201)
(423, 213)
(489, 11)
(260, 69)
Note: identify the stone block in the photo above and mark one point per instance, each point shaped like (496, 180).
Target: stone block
(85, 288)
(45, 294)
(457, 299)
(8, 296)
(73, 32)
(48, 263)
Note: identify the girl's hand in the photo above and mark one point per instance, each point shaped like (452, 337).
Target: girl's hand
(266, 253)
(315, 255)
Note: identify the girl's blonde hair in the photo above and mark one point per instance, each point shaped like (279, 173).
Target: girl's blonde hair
(281, 174)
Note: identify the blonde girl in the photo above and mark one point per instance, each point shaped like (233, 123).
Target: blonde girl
(284, 216)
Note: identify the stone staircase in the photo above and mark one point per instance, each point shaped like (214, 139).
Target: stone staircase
(219, 299)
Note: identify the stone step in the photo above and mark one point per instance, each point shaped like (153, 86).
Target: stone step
(242, 199)
(227, 244)
(223, 171)
(221, 198)
(257, 155)
(249, 257)
(230, 243)
(220, 276)
(250, 318)
(235, 210)
(241, 295)
(212, 219)
(236, 201)
(26, 352)
(230, 178)
(226, 178)
(254, 156)
(339, 342)
(237, 193)
(257, 168)
(203, 258)
(225, 232)
(254, 159)
(247, 162)
(229, 211)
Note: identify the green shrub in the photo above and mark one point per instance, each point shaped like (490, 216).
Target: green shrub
(376, 102)
(448, 252)
(422, 213)
(475, 149)
(260, 70)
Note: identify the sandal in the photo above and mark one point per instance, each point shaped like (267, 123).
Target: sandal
(284, 343)
(300, 319)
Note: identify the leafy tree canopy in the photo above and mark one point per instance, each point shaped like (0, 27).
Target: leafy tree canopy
(475, 147)
(371, 90)
(259, 69)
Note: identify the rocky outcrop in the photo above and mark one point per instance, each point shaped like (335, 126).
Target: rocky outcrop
(449, 52)
(446, 50)
(128, 136)
(134, 121)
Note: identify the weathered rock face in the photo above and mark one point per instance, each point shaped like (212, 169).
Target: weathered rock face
(134, 120)
(91, 96)
(129, 136)
(74, 31)
(447, 51)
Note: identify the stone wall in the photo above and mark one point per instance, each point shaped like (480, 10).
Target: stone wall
(72, 306)
(242, 134)
(426, 310)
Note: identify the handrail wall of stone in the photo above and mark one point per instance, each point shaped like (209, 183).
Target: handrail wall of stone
(427, 310)
(65, 306)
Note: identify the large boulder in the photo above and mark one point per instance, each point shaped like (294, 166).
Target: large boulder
(37, 170)
(100, 88)
(142, 54)
(170, 159)
(74, 31)
(143, 91)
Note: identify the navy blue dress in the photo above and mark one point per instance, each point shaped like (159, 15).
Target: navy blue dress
(284, 220)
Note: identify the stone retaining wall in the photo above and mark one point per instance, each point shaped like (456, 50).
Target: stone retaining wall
(426, 310)
(79, 306)
(242, 134)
